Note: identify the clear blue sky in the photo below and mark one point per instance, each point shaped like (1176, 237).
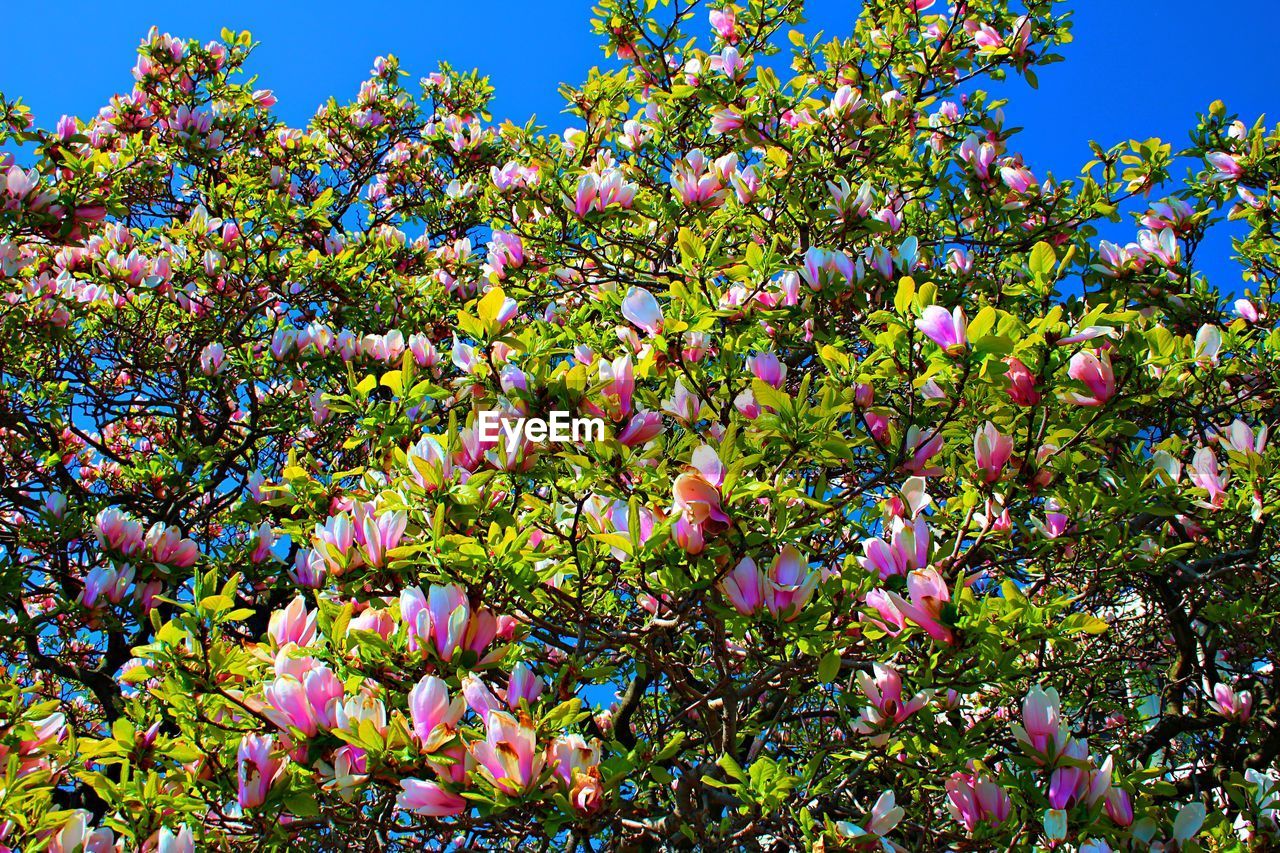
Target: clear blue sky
(1137, 68)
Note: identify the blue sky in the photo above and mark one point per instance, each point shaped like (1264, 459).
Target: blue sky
(1136, 69)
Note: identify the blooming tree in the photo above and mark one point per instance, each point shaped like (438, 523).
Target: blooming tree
(924, 517)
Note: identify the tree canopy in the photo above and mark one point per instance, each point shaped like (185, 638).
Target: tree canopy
(924, 517)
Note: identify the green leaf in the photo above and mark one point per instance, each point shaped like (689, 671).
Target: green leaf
(1084, 622)
(767, 395)
(982, 325)
(731, 767)
(1042, 260)
(490, 307)
(829, 666)
(906, 292)
(215, 604)
(302, 804)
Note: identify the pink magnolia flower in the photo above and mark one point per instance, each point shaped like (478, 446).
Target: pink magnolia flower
(349, 770)
(66, 127)
(642, 309)
(1055, 524)
(263, 540)
(356, 711)
(1018, 178)
(724, 22)
(168, 841)
(991, 451)
(283, 342)
(478, 696)
(211, 359)
(1067, 783)
(1208, 344)
(883, 689)
(744, 587)
(1169, 213)
(907, 550)
(168, 548)
(1247, 310)
(1205, 475)
(375, 620)
(523, 686)
(948, 330)
(55, 503)
(978, 155)
(1240, 438)
(106, 582)
(119, 533)
(928, 597)
(619, 517)
(887, 617)
(1098, 782)
(766, 367)
(256, 770)
(877, 424)
(46, 732)
(463, 356)
(884, 817)
(431, 467)
(424, 352)
(789, 584)
(618, 387)
(445, 618)
(509, 757)
(729, 63)
(987, 38)
(1231, 703)
(1055, 826)
(599, 192)
(696, 501)
(1089, 333)
(1119, 806)
(433, 713)
(826, 267)
(1041, 727)
(699, 182)
(746, 404)
(974, 798)
(294, 624)
(726, 120)
(911, 500)
(587, 194)
(514, 383)
(570, 754)
(683, 404)
(19, 183)
(309, 569)
(379, 535)
(1225, 166)
(643, 427)
(1022, 383)
(429, 798)
(76, 836)
(305, 695)
(1096, 374)
(576, 763)
(923, 447)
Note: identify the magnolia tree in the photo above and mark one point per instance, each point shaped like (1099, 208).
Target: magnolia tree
(918, 516)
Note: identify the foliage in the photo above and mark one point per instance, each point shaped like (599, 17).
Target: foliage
(924, 518)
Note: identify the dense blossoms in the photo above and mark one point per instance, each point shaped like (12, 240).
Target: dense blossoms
(919, 517)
